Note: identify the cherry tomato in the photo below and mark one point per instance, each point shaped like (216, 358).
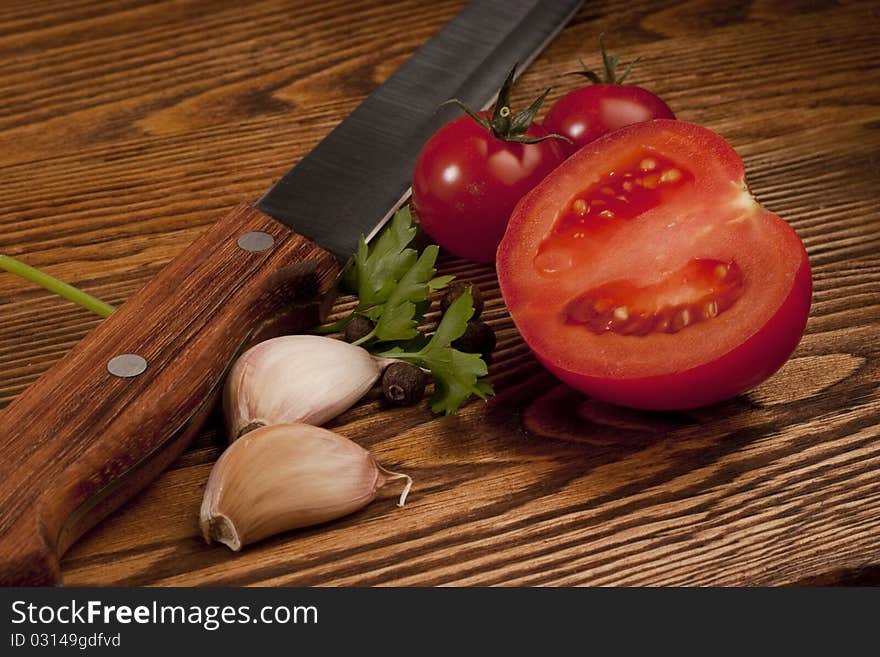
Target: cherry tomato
(643, 272)
(467, 182)
(586, 114)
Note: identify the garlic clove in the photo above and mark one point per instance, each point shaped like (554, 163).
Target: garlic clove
(296, 378)
(281, 477)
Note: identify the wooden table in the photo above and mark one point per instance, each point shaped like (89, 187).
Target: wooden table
(126, 127)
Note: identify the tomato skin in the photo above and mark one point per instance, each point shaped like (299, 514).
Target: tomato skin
(467, 182)
(585, 114)
(692, 368)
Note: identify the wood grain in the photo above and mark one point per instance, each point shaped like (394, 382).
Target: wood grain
(126, 127)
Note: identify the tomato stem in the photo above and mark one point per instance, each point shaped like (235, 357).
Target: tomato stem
(609, 64)
(505, 125)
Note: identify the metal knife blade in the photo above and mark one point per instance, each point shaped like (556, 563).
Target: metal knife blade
(354, 179)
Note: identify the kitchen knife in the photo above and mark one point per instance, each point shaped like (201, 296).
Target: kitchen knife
(125, 402)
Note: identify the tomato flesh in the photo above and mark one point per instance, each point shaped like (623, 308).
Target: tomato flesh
(620, 194)
(643, 272)
(699, 291)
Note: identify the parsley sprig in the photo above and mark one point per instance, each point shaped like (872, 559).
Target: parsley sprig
(393, 281)
(457, 375)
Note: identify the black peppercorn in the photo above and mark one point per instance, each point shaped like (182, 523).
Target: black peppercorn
(478, 338)
(404, 384)
(456, 290)
(357, 327)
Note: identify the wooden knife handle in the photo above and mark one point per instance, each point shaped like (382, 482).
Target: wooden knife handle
(81, 441)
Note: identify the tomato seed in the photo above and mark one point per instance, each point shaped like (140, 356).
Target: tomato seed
(682, 318)
(650, 182)
(670, 176)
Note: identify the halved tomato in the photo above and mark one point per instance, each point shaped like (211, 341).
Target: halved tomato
(643, 272)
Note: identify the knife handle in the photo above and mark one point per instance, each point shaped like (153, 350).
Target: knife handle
(81, 441)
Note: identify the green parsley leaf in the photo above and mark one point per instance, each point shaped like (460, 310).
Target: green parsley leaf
(377, 269)
(398, 319)
(457, 375)
(393, 281)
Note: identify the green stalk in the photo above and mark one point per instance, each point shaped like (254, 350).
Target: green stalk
(369, 336)
(52, 284)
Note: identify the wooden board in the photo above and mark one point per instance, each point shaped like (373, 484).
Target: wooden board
(126, 126)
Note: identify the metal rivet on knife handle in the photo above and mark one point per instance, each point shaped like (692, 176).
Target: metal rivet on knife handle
(126, 366)
(256, 241)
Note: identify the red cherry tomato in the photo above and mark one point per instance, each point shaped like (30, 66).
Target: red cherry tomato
(644, 273)
(467, 182)
(586, 114)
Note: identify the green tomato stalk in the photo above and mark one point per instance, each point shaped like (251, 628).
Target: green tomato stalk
(503, 123)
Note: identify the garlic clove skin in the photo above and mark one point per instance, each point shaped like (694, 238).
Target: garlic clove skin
(296, 378)
(281, 477)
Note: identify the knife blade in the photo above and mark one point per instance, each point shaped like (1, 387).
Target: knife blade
(372, 152)
(124, 403)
